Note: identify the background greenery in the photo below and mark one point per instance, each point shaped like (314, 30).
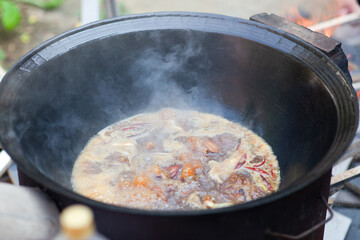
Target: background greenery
(11, 15)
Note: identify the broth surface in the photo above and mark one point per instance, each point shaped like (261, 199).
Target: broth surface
(176, 159)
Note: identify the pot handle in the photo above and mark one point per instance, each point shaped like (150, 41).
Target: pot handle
(330, 47)
(307, 232)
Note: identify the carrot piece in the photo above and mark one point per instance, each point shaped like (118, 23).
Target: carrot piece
(188, 172)
(142, 181)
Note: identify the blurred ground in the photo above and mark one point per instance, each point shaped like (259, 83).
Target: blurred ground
(38, 25)
(236, 8)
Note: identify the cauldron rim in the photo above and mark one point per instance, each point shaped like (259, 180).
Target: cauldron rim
(311, 177)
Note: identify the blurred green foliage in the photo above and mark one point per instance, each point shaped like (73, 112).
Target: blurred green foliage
(123, 10)
(45, 4)
(10, 13)
(2, 55)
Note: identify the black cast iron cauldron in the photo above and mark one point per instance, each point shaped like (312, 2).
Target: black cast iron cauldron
(67, 89)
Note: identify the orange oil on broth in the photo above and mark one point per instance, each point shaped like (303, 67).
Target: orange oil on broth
(176, 159)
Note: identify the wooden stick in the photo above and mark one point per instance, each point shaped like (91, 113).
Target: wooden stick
(5, 162)
(349, 174)
(13, 174)
(334, 22)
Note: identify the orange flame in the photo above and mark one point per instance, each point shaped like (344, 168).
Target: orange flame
(322, 14)
(294, 15)
(348, 56)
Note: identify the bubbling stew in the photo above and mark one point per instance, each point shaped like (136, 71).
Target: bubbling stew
(176, 160)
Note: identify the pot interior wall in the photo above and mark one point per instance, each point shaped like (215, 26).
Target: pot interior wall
(65, 101)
